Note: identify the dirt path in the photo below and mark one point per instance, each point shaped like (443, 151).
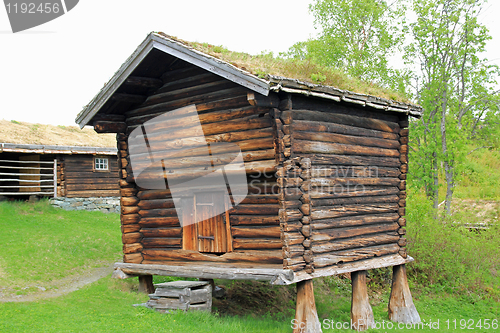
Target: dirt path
(64, 286)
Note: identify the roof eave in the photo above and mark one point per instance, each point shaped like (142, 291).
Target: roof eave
(180, 51)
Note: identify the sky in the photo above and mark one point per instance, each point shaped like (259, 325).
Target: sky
(50, 72)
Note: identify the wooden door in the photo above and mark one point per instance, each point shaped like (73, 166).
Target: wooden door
(212, 228)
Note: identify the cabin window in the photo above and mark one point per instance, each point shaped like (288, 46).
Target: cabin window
(101, 164)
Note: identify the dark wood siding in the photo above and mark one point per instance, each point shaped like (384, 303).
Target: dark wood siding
(151, 229)
(82, 181)
(346, 166)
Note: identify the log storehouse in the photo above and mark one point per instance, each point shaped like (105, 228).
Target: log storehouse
(323, 188)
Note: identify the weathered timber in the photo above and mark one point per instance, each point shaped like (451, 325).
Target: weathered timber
(255, 209)
(355, 200)
(129, 210)
(291, 226)
(293, 251)
(143, 82)
(316, 147)
(318, 126)
(161, 232)
(347, 140)
(260, 199)
(102, 126)
(354, 242)
(402, 222)
(256, 243)
(158, 222)
(358, 220)
(154, 194)
(161, 242)
(166, 212)
(156, 204)
(256, 99)
(292, 238)
(255, 256)
(129, 201)
(347, 232)
(401, 307)
(133, 237)
(146, 284)
(256, 232)
(290, 193)
(306, 317)
(273, 273)
(132, 248)
(351, 191)
(128, 228)
(130, 219)
(254, 220)
(352, 171)
(335, 159)
(318, 213)
(287, 215)
(340, 257)
(361, 311)
(344, 119)
(132, 258)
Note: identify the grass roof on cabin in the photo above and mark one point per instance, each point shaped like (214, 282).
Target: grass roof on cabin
(303, 70)
(39, 134)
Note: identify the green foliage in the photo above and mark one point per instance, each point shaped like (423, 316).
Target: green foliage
(449, 257)
(15, 122)
(356, 37)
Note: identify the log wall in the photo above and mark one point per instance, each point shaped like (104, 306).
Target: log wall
(151, 229)
(79, 180)
(342, 176)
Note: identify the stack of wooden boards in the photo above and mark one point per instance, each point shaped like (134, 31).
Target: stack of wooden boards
(181, 295)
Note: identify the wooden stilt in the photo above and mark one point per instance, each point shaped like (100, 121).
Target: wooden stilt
(146, 284)
(306, 317)
(401, 307)
(361, 311)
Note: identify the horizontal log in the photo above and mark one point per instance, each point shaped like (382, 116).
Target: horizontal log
(161, 242)
(333, 159)
(156, 204)
(167, 212)
(158, 222)
(254, 220)
(129, 210)
(256, 232)
(290, 193)
(289, 182)
(133, 237)
(256, 243)
(173, 232)
(128, 228)
(128, 192)
(344, 119)
(342, 257)
(154, 194)
(130, 219)
(294, 226)
(102, 126)
(316, 147)
(262, 209)
(319, 126)
(260, 199)
(129, 201)
(355, 242)
(132, 258)
(318, 213)
(347, 140)
(143, 82)
(290, 204)
(347, 232)
(293, 251)
(91, 187)
(337, 184)
(292, 238)
(132, 248)
(93, 193)
(337, 171)
(263, 257)
(355, 200)
(352, 221)
(288, 215)
(351, 191)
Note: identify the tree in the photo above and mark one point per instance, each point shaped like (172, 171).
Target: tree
(455, 85)
(356, 36)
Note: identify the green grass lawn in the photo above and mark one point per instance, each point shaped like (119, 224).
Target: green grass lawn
(41, 246)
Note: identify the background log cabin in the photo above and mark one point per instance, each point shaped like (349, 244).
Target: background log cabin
(326, 171)
(37, 169)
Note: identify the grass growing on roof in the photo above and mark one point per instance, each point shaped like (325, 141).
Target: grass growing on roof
(303, 70)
